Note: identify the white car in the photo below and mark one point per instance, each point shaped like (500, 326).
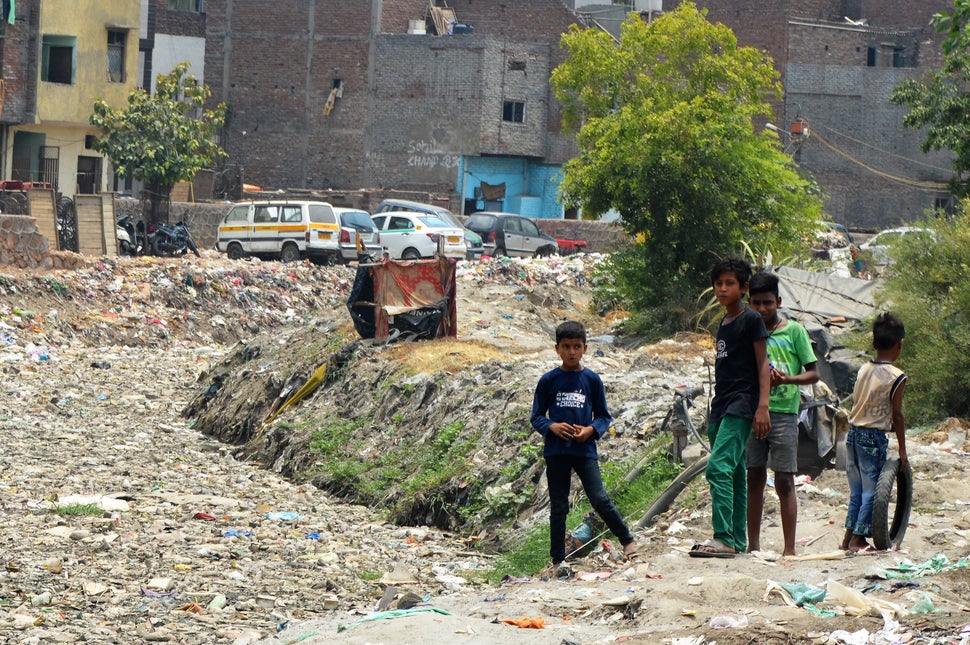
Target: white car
(879, 246)
(412, 236)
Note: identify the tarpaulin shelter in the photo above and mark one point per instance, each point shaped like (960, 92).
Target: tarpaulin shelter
(414, 299)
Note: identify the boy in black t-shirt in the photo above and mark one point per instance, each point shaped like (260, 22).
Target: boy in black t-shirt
(742, 382)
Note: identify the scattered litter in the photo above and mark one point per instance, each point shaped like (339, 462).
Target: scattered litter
(728, 621)
(525, 622)
(394, 613)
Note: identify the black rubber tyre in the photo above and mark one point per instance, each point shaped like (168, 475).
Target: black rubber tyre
(410, 254)
(666, 498)
(193, 247)
(894, 489)
(234, 251)
(290, 253)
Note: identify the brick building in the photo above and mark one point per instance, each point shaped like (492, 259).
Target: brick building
(368, 94)
(840, 60)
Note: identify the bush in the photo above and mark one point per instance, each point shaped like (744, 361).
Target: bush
(929, 289)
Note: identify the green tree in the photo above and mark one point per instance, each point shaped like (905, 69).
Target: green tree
(156, 139)
(928, 287)
(940, 100)
(666, 138)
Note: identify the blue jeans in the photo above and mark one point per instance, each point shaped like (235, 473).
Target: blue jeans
(865, 455)
(559, 470)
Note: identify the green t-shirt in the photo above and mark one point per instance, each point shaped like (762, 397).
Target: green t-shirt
(789, 350)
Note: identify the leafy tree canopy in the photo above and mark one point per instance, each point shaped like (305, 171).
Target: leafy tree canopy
(155, 138)
(665, 136)
(940, 100)
(928, 287)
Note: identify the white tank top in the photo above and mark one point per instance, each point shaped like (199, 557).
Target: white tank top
(872, 398)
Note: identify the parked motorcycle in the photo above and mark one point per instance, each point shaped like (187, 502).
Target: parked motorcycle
(129, 242)
(172, 239)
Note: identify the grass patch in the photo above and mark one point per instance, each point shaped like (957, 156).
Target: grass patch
(75, 510)
(632, 499)
(369, 575)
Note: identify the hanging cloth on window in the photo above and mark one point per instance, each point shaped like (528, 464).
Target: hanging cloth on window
(493, 192)
(10, 11)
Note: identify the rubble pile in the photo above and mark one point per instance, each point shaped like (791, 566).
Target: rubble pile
(151, 301)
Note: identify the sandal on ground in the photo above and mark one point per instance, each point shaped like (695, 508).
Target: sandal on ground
(711, 549)
(633, 554)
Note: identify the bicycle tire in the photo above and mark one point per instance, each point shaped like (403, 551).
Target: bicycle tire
(676, 487)
(888, 534)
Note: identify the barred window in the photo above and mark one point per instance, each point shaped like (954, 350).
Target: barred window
(116, 56)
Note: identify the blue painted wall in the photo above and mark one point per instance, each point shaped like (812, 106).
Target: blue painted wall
(531, 189)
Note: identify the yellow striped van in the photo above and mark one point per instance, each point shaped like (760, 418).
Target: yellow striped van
(284, 229)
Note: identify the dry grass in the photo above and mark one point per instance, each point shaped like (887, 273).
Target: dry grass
(683, 346)
(443, 354)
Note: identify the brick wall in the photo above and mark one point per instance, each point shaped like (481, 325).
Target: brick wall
(845, 102)
(278, 83)
(18, 62)
(182, 23)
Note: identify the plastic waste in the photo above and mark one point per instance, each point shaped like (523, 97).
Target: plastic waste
(936, 564)
(923, 605)
(723, 622)
(803, 593)
(857, 604)
(283, 516)
(841, 636)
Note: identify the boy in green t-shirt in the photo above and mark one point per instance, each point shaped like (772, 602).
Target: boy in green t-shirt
(793, 364)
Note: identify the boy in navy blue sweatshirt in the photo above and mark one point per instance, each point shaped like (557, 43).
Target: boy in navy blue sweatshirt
(569, 410)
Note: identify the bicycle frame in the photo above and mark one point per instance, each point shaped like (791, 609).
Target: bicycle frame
(678, 421)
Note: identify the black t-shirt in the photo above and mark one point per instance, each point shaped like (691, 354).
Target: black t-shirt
(736, 383)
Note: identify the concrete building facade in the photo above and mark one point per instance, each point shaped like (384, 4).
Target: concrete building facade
(58, 57)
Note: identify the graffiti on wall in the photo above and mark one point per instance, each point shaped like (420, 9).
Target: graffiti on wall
(427, 153)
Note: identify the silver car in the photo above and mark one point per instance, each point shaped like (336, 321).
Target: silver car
(356, 223)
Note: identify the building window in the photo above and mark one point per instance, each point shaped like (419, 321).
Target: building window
(872, 56)
(899, 57)
(514, 111)
(516, 65)
(197, 6)
(116, 56)
(57, 59)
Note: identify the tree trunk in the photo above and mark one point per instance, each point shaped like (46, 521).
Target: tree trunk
(156, 202)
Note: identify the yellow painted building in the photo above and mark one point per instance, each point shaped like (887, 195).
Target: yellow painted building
(88, 49)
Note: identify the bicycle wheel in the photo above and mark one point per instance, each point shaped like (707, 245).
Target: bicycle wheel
(676, 487)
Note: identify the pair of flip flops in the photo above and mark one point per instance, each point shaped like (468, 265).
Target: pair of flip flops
(711, 549)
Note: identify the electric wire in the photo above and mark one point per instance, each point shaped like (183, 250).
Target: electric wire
(915, 183)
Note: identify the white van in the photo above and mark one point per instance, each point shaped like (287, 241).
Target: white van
(284, 229)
